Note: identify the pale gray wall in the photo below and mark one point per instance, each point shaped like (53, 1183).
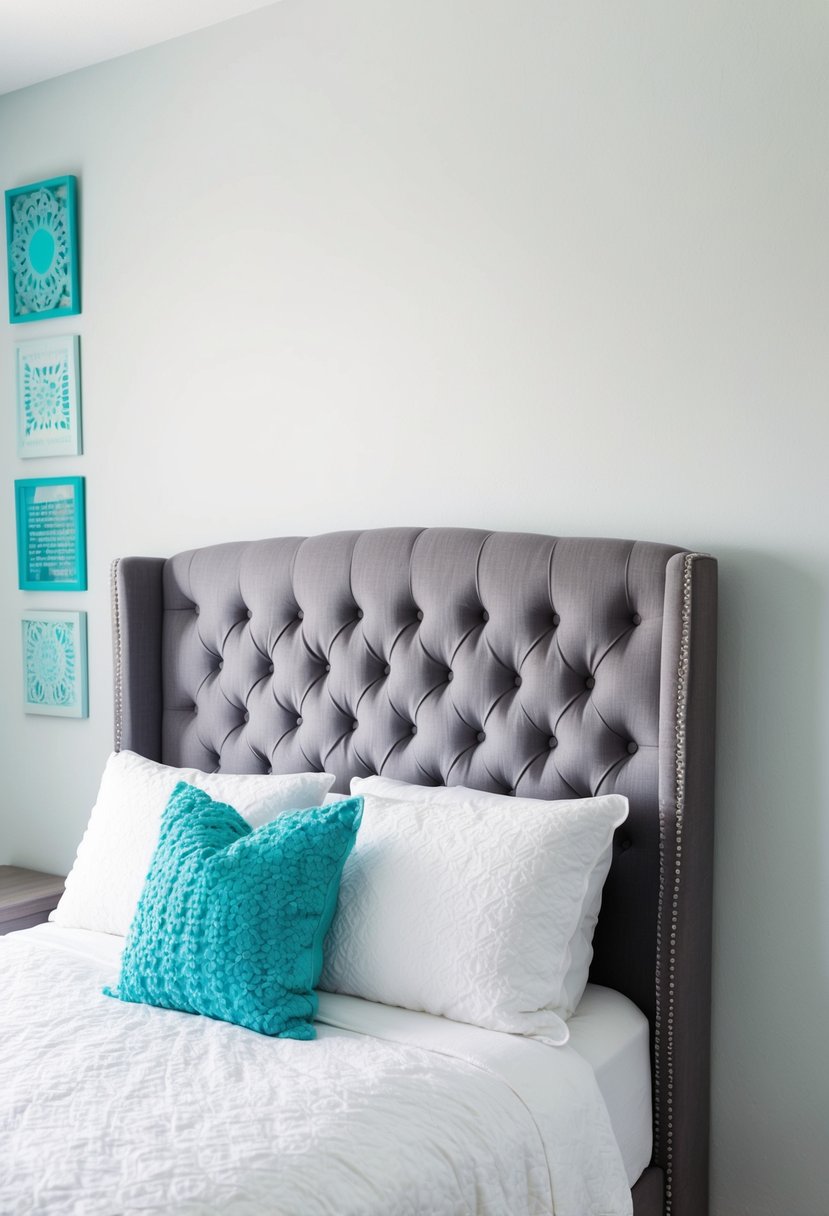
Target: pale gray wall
(510, 263)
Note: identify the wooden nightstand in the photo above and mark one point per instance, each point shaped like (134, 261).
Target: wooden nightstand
(26, 897)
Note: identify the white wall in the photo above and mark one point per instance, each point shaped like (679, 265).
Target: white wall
(509, 263)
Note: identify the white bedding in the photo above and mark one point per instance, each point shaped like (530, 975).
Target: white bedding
(110, 1108)
(614, 1037)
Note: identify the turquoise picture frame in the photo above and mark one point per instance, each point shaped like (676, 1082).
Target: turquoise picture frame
(51, 533)
(42, 245)
(55, 671)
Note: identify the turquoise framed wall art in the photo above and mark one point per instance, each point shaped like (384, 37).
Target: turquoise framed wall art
(51, 533)
(42, 234)
(55, 664)
(48, 397)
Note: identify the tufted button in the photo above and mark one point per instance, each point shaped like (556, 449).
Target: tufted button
(481, 736)
(196, 609)
(386, 670)
(633, 748)
(636, 618)
(511, 793)
(249, 613)
(485, 616)
(556, 619)
(246, 716)
(359, 614)
(419, 614)
(589, 682)
(270, 669)
(299, 720)
(625, 844)
(300, 615)
(354, 724)
(195, 710)
(221, 664)
(269, 770)
(327, 666)
(450, 675)
(517, 681)
(414, 729)
(552, 742)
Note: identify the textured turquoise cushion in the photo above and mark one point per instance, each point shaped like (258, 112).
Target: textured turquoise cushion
(231, 920)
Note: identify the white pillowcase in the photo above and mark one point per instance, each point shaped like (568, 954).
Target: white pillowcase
(580, 946)
(105, 882)
(469, 910)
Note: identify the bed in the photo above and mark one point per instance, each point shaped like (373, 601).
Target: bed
(524, 665)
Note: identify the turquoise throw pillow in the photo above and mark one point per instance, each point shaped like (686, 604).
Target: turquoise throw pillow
(231, 920)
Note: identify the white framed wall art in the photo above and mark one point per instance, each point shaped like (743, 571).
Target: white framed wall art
(55, 663)
(48, 397)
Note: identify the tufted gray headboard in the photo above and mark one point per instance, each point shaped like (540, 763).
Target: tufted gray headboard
(504, 661)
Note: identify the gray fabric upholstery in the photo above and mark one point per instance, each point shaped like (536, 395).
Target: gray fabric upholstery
(686, 795)
(649, 1193)
(508, 662)
(136, 583)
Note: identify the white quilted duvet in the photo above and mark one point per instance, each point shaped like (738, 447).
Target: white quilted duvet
(108, 1108)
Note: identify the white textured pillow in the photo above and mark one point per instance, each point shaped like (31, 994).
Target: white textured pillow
(468, 911)
(580, 946)
(105, 882)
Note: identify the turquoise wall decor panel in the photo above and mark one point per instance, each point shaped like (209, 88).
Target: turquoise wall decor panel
(42, 233)
(51, 533)
(48, 397)
(55, 664)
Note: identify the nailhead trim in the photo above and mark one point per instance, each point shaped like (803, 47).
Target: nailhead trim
(666, 1016)
(118, 679)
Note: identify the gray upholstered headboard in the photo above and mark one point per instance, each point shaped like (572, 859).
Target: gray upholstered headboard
(504, 661)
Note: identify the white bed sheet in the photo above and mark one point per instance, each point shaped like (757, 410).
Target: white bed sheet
(613, 1036)
(108, 1107)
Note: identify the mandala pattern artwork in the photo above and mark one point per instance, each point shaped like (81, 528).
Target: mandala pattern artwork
(51, 663)
(39, 251)
(46, 399)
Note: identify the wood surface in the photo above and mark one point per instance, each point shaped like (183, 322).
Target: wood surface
(26, 896)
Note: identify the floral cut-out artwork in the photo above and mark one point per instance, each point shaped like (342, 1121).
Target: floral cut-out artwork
(48, 398)
(41, 227)
(54, 664)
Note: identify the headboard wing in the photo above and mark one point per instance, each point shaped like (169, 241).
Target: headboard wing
(504, 661)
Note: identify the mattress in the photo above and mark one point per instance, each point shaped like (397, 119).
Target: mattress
(612, 1035)
(129, 1108)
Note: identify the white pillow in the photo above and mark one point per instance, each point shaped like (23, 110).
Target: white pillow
(468, 910)
(581, 944)
(105, 882)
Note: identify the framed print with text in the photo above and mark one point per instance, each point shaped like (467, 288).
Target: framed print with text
(51, 533)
